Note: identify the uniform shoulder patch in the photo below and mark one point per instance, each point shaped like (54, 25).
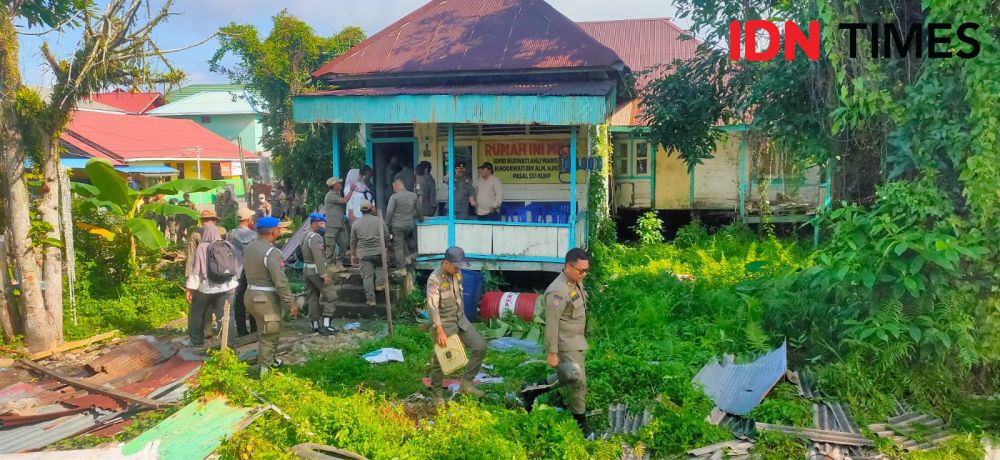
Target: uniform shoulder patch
(556, 300)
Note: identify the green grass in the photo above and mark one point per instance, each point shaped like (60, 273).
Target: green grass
(650, 331)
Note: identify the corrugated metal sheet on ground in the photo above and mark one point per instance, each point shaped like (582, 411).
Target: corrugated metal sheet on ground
(908, 426)
(135, 354)
(195, 431)
(474, 35)
(173, 370)
(38, 435)
(104, 453)
(21, 398)
(581, 88)
(739, 388)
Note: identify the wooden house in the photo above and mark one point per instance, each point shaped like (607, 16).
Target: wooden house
(518, 84)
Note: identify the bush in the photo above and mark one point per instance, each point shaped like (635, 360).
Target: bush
(649, 228)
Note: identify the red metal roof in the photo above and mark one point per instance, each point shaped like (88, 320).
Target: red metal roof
(133, 103)
(588, 88)
(474, 35)
(130, 137)
(643, 44)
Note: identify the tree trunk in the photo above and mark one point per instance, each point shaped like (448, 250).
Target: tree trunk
(37, 333)
(52, 268)
(37, 326)
(8, 311)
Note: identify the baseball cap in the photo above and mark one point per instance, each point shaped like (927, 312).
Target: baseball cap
(456, 255)
(333, 180)
(366, 205)
(208, 215)
(245, 214)
(317, 217)
(486, 165)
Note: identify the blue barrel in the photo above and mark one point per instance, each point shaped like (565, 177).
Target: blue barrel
(472, 286)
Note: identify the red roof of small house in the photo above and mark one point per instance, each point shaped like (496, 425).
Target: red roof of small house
(127, 138)
(644, 44)
(474, 35)
(133, 103)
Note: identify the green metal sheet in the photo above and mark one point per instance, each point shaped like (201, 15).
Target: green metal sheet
(195, 431)
(468, 108)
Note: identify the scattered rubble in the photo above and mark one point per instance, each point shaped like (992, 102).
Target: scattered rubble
(736, 449)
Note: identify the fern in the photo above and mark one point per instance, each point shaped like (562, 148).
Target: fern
(756, 339)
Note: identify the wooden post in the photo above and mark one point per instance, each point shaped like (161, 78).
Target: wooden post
(225, 327)
(385, 268)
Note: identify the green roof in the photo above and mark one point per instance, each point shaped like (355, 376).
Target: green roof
(191, 90)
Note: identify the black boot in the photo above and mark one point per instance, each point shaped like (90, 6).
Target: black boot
(328, 328)
(531, 392)
(581, 420)
(315, 327)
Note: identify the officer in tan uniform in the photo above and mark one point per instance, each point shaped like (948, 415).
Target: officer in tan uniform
(565, 338)
(367, 244)
(447, 313)
(321, 295)
(335, 207)
(267, 289)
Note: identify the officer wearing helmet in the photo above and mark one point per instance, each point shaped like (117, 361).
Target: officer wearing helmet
(565, 338)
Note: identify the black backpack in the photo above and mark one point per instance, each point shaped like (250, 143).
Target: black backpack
(222, 262)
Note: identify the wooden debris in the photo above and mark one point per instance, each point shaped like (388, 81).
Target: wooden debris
(95, 388)
(832, 437)
(728, 448)
(72, 345)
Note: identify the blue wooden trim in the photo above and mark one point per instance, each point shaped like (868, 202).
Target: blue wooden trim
(393, 140)
(572, 186)
(369, 151)
(336, 151)
(499, 258)
(465, 108)
(444, 221)
(512, 224)
(451, 185)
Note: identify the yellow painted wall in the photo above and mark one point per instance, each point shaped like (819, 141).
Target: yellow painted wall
(672, 181)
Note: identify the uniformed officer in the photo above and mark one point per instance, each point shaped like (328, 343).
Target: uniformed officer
(464, 191)
(447, 312)
(426, 190)
(321, 295)
(267, 289)
(366, 249)
(335, 206)
(565, 338)
(401, 215)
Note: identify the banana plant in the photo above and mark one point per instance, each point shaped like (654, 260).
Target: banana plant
(108, 191)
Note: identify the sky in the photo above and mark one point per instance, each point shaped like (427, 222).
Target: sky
(195, 20)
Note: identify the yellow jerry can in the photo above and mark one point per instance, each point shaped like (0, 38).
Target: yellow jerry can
(451, 357)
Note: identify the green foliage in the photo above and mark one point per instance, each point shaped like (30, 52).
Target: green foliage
(275, 68)
(649, 228)
(784, 406)
(682, 110)
(779, 446)
(363, 422)
(601, 227)
(108, 192)
(110, 296)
